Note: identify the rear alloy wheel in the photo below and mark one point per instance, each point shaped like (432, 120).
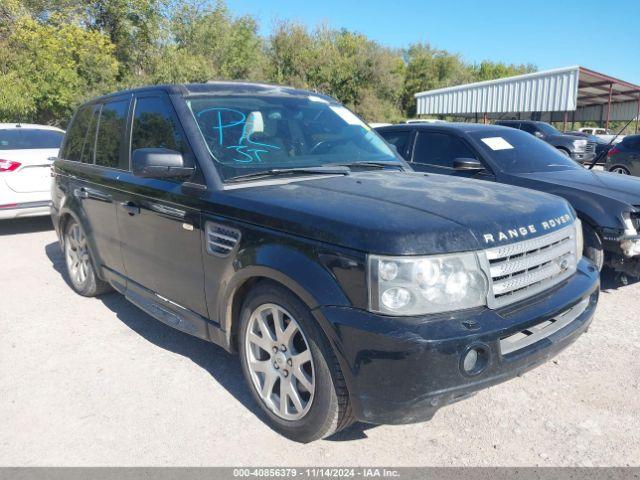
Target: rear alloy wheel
(620, 170)
(78, 260)
(290, 366)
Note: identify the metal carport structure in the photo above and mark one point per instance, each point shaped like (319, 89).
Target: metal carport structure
(574, 94)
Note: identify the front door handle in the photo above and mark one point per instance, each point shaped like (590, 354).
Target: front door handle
(131, 208)
(81, 193)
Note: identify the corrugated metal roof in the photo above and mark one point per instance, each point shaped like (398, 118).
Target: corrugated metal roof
(551, 90)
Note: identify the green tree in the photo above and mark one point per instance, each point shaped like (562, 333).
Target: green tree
(488, 70)
(429, 68)
(357, 71)
(221, 45)
(48, 69)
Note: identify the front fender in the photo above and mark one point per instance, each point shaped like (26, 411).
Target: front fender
(297, 269)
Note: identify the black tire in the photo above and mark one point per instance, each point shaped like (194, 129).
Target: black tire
(593, 246)
(619, 169)
(564, 152)
(330, 410)
(87, 283)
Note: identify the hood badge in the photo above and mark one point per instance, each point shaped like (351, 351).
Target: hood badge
(526, 230)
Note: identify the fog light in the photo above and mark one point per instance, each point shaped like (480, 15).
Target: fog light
(470, 360)
(475, 360)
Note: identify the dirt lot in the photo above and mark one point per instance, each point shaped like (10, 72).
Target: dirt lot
(98, 382)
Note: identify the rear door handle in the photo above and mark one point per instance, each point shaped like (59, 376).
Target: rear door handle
(85, 193)
(131, 208)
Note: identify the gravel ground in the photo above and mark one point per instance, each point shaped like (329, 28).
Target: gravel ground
(98, 382)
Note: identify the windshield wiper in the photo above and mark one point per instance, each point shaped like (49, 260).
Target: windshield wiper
(322, 170)
(369, 163)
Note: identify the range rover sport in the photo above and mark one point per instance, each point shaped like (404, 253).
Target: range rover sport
(273, 222)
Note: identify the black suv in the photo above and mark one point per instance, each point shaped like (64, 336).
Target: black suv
(274, 222)
(577, 147)
(607, 204)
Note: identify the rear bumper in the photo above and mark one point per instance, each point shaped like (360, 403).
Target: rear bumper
(25, 209)
(404, 370)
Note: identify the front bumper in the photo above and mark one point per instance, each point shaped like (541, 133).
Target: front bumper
(583, 157)
(402, 370)
(616, 258)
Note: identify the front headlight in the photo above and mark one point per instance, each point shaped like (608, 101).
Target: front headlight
(579, 239)
(580, 145)
(426, 284)
(630, 246)
(630, 220)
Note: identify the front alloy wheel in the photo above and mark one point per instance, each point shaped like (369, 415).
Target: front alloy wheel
(280, 362)
(290, 366)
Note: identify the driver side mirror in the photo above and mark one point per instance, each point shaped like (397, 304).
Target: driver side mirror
(467, 165)
(159, 163)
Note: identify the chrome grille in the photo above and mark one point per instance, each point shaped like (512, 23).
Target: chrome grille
(591, 147)
(520, 270)
(221, 240)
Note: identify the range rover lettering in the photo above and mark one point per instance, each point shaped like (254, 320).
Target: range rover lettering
(275, 223)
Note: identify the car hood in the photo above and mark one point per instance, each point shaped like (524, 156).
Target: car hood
(621, 188)
(564, 138)
(396, 212)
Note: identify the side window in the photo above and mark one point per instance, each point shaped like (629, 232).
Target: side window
(76, 134)
(440, 149)
(529, 128)
(155, 125)
(632, 142)
(88, 147)
(111, 127)
(400, 139)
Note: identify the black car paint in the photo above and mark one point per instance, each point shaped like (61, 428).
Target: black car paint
(561, 141)
(148, 239)
(625, 154)
(599, 198)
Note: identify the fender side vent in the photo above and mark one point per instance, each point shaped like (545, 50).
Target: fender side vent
(221, 240)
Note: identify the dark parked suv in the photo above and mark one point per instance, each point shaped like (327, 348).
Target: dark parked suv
(577, 147)
(607, 204)
(624, 157)
(273, 222)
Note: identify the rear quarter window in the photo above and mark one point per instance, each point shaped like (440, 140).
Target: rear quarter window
(110, 140)
(76, 134)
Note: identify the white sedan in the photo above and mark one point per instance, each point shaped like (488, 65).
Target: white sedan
(25, 168)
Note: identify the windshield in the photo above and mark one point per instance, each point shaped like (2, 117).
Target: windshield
(518, 152)
(247, 134)
(24, 139)
(547, 129)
